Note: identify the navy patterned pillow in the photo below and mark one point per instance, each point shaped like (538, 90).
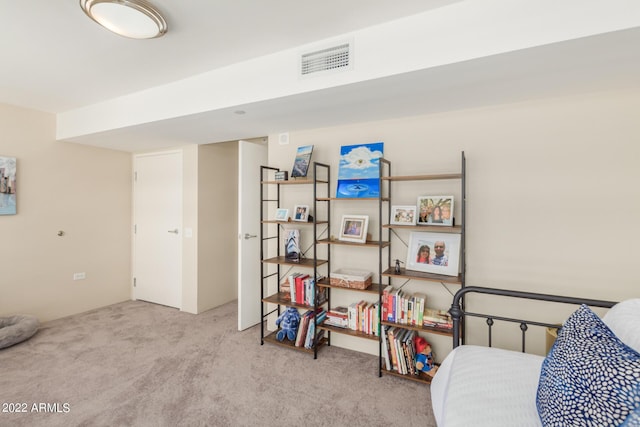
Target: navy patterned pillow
(590, 377)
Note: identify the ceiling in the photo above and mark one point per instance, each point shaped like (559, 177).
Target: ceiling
(55, 59)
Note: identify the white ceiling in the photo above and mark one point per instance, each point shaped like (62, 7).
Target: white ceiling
(55, 59)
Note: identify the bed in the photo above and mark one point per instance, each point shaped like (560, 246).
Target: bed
(590, 377)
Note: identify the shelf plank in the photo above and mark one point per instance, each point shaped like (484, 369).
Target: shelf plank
(294, 182)
(374, 288)
(271, 339)
(423, 177)
(347, 331)
(418, 275)
(327, 199)
(457, 229)
(284, 298)
(428, 329)
(373, 243)
(421, 378)
(273, 221)
(304, 262)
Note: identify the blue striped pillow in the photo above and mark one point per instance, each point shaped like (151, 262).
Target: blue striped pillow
(590, 377)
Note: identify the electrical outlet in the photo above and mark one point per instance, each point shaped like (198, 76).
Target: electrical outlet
(79, 276)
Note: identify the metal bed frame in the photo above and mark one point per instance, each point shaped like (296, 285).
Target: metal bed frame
(458, 314)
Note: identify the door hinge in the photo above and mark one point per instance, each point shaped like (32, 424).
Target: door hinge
(135, 228)
(134, 282)
(135, 176)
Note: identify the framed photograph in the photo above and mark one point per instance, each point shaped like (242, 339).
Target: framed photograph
(434, 253)
(7, 185)
(354, 228)
(282, 214)
(403, 215)
(301, 213)
(301, 163)
(435, 210)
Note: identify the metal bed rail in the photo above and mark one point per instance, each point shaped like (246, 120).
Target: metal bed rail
(458, 314)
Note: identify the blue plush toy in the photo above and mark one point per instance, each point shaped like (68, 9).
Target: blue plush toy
(288, 322)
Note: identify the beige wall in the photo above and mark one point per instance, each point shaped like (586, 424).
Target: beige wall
(553, 195)
(217, 224)
(84, 191)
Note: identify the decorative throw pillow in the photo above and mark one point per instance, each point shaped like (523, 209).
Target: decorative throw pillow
(590, 377)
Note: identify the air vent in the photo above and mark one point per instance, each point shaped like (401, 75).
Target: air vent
(331, 58)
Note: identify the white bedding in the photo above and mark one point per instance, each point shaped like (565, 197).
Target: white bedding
(465, 394)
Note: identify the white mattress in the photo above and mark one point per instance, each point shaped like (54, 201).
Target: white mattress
(482, 386)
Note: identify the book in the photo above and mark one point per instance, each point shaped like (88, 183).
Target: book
(437, 318)
(292, 245)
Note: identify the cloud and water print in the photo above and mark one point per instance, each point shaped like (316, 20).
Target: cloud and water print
(358, 173)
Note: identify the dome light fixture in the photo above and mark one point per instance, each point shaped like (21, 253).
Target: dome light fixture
(136, 19)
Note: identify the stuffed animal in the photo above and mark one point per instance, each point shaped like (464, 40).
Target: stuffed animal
(288, 322)
(424, 357)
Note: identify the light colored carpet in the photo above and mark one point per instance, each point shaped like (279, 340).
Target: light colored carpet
(141, 364)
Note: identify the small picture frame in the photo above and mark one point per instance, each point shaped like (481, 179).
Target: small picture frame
(301, 213)
(354, 228)
(403, 215)
(282, 214)
(435, 210)
(434, 253)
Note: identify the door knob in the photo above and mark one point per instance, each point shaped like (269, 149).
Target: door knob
(174, 231)
(249, 236)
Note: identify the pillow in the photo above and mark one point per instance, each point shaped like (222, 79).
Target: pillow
(624, 320)
(589, 377)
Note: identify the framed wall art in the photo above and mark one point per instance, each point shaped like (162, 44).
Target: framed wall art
(435, 210)
(434, 253)
(354, 228)
(359, 170)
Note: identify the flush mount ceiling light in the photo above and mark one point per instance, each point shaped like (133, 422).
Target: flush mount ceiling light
(136, 19)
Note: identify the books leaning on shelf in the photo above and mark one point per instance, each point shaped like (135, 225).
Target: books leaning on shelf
(363, 317)
(437, 318)
(401, 307)
(306, 336)
(398, 350)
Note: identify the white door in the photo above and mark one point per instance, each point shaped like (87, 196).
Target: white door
(251, 156)
(158, 228)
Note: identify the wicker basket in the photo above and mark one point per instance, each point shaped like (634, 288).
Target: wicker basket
(350, 278)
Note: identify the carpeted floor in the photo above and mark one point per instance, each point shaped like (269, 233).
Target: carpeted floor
(141, 364)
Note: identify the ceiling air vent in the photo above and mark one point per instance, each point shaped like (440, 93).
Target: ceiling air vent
(331, 58)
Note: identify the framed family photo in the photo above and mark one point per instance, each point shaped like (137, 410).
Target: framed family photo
(435, 210)
(282, 214)
(403, 215)
(434, 253)
(301, 213)
(354, 228)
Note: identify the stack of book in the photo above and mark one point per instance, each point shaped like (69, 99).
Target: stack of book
(338, 316)
(398, 350)
(437, 318)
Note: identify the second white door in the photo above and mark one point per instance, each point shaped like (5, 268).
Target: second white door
(158, 228)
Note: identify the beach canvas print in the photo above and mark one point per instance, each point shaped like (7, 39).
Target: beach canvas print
(7, 185)
(358, 172)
